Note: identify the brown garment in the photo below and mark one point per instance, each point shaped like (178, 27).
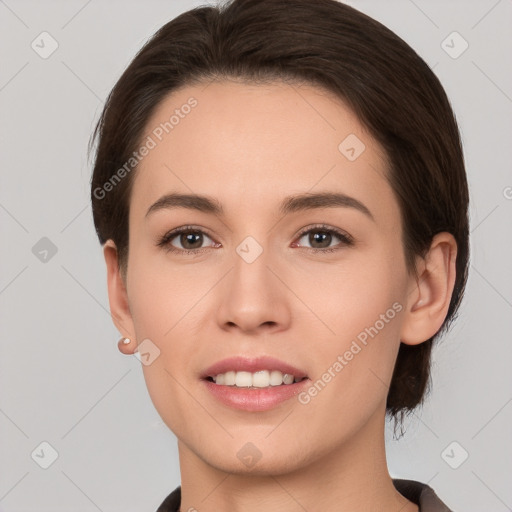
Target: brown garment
(420, 494)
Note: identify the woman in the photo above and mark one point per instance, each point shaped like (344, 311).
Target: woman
(279, 188)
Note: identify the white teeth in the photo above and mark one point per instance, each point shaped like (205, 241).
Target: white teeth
(287, 378)
(229, 378)
(276, 378)
(243, 379)
(260, 379)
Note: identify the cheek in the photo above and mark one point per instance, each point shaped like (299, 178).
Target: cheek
(361, 310)
(353, 295)
(159, 293)
(161, 303)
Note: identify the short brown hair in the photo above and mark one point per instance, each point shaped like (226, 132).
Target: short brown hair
(325, 43)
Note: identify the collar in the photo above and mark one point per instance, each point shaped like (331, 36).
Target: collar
(419, 493)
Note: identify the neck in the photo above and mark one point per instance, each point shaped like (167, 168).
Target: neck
(351, 477)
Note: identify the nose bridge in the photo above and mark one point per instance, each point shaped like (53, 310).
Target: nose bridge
(251, 278)
(253, 296)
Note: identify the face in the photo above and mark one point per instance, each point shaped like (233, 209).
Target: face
(264, 275)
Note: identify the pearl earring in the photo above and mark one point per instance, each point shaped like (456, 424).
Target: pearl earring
(126, 341)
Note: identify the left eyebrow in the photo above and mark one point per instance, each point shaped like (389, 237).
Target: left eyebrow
(291, 204)
(310, 201)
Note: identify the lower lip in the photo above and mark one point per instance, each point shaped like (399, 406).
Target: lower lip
(255, 399)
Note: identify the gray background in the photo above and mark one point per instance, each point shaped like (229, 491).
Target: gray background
(62, 379)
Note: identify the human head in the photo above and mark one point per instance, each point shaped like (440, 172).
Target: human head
(326, 44)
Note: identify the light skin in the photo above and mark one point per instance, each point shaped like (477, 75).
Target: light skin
(248, 147)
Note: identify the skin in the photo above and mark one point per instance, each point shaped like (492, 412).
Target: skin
(249, 146)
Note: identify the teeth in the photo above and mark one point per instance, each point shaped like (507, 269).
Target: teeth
(261, 379)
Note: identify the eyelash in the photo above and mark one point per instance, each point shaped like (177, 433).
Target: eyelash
(346, 240)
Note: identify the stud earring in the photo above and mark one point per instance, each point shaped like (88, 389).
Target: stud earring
(123, 345)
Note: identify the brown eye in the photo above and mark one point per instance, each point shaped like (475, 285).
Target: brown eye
(320, 239)
(191, 240)
(184, 240)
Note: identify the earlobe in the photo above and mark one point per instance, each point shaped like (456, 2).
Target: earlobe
(118, 297)
(430, 291)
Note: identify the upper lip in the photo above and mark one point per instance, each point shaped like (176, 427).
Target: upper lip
(248, 364)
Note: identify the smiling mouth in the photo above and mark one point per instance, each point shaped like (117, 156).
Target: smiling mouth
(254, 380)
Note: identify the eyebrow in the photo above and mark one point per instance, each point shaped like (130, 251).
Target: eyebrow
(291, 204)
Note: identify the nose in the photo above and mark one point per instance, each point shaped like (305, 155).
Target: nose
(254, 297)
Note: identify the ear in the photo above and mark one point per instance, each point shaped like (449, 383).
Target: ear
(430, 291)
(118, 297)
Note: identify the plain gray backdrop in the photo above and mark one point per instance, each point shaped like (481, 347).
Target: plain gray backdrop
(63, 381)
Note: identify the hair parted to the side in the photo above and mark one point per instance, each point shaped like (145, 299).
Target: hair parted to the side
(331, 45)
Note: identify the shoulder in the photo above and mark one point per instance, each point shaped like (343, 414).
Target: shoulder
(172, 502)
(421, 494)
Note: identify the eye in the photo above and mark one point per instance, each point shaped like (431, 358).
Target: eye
(188, 238)
(321, 236)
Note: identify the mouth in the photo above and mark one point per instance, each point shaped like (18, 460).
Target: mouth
(253, 384)
(259, 372)
(256, 380)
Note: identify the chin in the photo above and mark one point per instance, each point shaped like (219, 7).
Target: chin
(256, 459)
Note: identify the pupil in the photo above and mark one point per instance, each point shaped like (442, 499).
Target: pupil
(188, 238)
(321, 236)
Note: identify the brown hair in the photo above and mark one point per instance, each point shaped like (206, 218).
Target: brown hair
(331, 45)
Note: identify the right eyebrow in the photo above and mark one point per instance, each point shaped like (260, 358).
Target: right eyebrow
(191, 201)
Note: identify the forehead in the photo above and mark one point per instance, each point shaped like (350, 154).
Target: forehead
(250, 145)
